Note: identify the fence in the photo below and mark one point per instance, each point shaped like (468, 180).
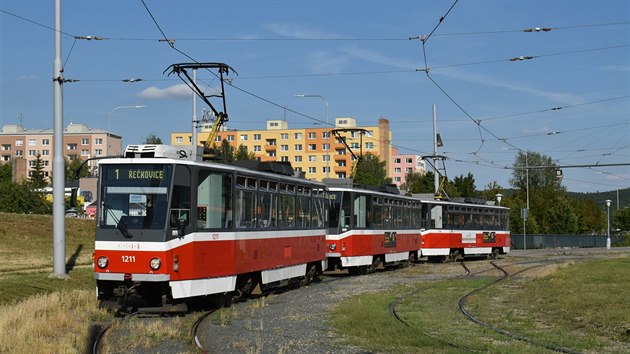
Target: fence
(570, 241)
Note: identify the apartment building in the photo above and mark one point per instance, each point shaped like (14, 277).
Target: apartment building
(403, 164)
(79, 142)
(310, 150)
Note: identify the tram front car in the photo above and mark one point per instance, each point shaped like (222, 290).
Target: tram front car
(141, 208)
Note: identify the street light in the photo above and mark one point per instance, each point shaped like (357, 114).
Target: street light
(608, 228)
(499, 196)
(109, 126)
(327, 133)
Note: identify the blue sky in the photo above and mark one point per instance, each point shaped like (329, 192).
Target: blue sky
(356, 54)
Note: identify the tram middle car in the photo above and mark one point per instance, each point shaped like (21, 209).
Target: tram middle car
(171, 229)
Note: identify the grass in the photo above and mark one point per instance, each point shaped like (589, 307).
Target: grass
(582, 306)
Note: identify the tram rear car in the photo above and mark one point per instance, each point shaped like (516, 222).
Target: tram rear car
(461, 229)
(171, 229)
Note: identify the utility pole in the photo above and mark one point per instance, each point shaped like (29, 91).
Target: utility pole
(193, 139)
(59, 205)
(436, 172)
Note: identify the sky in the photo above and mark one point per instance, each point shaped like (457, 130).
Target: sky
(568, 98)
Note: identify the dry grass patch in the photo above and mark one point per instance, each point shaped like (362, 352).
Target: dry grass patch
(51, 323)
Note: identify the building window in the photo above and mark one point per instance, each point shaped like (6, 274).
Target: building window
(343, 121)
(312, 147)
(46, 164)
(369, 133)
(257, 137)
(311, 135)
(217, 138)
(369, 146)
(179, 139)
(230, 138)
(31, 153)
(190, 139)
(354, 145)
(272, 154)
(271, 142)
(98, 152)
(298, 169)
(312, 158)
(6, 157)
(284, 158)
(72, 157)
(396, 169)
(97, 141)
(341, 163)
(6, 147)
(19, 142)
(298, 158)
(396, 160)
(397, 179)
(273, 124)
(298, 147)
(326, 146)
(72, 146)
(32, 142)
(31, 163)
(312, 170)
(18, 152)
(284, 136)
(85, 141)
(326, 169)
(341, 175)
(326, 135)
(45, 141)
(85, 152)
(244, 137)
(257, 148)
(298, 135)
(326, 158)
(409, 160)
(45, 152)
(341, 151)
(284, 147)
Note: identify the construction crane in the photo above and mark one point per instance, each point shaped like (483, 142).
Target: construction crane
(221, 117)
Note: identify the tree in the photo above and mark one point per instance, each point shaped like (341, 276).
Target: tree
(152, 139)
(463, 187)
(371, 171)
(419, 183)
(243, 154)
(536, 178)
(21, 198)
(38, 178)
(621, 219)
(491, 190)
(71, 169)
(6, 172)
(226, 152)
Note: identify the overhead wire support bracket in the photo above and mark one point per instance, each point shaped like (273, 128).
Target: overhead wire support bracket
(337, 133)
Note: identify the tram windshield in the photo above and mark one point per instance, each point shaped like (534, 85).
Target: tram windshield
(134, 196)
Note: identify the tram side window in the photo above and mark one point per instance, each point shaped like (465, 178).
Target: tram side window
(245, 209)
(303, 212)
(214, 200)
(319, 211)
(344, 216)
(286, 215)
(180, 201)
(361, 211)
(377, 212)
(267, 210)
(436, 216)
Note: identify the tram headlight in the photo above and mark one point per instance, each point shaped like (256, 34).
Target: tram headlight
(102, 262)
(155, 263)
(332, 246)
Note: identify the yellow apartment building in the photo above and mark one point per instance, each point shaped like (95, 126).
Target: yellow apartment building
(311, 150)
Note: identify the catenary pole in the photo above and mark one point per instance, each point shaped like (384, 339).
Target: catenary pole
(59, 222)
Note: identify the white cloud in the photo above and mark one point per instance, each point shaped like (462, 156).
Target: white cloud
(379, 58)
(326, 63)
(561, 97)
(297, 31)
(177, 92)
(29, 77)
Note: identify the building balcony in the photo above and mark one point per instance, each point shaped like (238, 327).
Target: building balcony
(271, 147)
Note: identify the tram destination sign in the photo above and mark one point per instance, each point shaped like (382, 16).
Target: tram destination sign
(140, 172)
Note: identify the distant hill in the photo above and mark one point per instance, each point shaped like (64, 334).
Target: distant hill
(599, 198)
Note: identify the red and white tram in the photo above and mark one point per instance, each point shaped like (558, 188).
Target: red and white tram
(459, 228)
(172, 228)
(368, 228)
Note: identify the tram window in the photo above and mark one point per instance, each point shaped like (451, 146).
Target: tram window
(335, 210)
(388, 217)
(319, 211)
(245, 211)
(180, 200)
(398, 216)
(286, 215)
(360, 211)
(214, 200)
(436, 216)
(267, 210)
(303, 213)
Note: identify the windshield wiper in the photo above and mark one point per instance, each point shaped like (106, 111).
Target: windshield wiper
(120, 224)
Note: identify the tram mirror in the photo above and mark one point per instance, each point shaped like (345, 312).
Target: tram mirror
(182, 223)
